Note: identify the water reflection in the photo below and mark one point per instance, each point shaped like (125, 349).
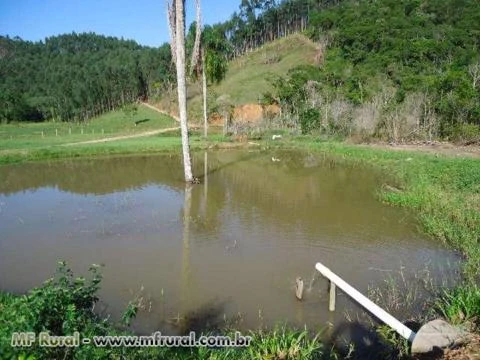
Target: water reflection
(228, 249)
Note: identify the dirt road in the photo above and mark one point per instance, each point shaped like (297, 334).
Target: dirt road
(435, 148)
(160, 111)
(123, 137)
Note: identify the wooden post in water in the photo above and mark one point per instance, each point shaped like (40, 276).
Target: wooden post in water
(376, 310)
(56, 132)
(299, 288)
(82, 130)
(331, 304)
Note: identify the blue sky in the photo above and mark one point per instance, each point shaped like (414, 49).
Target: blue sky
(141, 20)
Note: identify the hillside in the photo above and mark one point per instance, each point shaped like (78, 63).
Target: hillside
(397, 71)
(249, 75)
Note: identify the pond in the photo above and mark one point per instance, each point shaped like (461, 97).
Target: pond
(225, 251)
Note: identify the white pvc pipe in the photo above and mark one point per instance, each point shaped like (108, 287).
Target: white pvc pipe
(367, 303)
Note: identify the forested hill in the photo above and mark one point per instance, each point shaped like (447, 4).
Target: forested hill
(77, 76)
(393, 68)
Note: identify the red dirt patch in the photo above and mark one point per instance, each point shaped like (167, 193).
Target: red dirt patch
(215, 119)
(254, 113)
(248, 113)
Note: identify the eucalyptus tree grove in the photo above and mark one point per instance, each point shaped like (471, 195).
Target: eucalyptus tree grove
(77, 76)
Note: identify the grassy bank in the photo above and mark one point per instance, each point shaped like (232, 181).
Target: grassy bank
(248, 77)
(153, 144)
(443, 191)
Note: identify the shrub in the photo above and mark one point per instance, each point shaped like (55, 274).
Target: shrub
(309, 120)
(63, 305)
(465, 133)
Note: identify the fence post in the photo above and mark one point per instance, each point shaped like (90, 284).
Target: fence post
(331, 305)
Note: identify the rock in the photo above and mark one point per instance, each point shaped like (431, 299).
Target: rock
(275, 137)
(436, 334)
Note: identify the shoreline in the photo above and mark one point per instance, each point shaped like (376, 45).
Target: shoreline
(442, 190)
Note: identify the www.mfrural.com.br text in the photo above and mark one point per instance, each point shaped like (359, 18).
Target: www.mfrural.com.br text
(44, 339)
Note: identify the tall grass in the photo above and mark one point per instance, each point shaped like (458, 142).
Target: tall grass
(461, 305)
(282, 343)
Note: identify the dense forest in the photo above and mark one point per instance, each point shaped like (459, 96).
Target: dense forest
(77, 76)
(390, 68)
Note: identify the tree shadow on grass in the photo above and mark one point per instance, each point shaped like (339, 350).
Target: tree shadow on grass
(138, 122)
(354, 340)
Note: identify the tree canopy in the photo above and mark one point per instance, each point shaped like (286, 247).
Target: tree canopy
(388, 51)
(77, 76)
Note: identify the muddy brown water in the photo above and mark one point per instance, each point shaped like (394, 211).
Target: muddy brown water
(227, 250)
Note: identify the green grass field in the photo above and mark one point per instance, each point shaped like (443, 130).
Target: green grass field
(165, 142)
(21, 136)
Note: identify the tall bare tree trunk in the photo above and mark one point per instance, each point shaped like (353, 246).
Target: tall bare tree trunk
(182, 87)
(205, 112)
